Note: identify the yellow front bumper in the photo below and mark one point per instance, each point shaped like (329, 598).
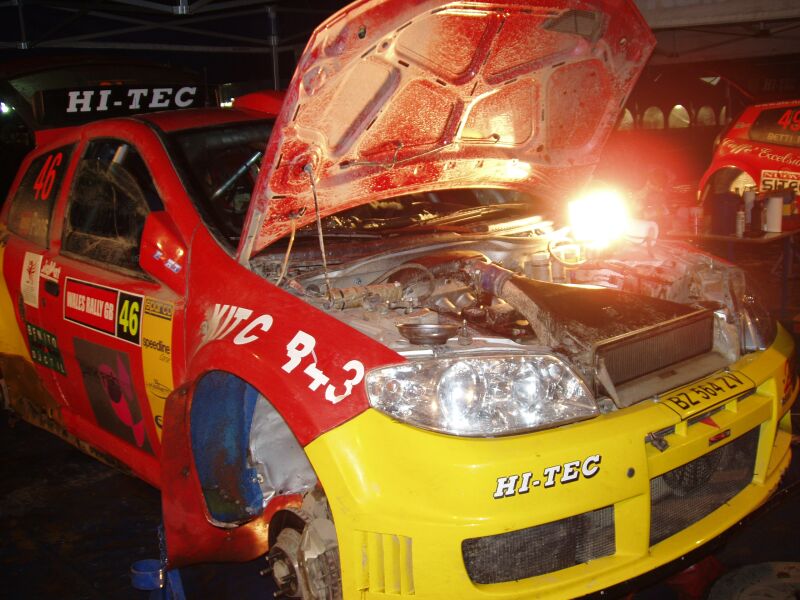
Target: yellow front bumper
(404, 499)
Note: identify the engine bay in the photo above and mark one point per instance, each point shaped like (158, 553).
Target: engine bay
(444, 292)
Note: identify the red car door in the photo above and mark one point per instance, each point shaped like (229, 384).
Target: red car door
(114, 321)
(27, 272)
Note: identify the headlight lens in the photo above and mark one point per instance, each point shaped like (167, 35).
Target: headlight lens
(482, 396)
(758, 328)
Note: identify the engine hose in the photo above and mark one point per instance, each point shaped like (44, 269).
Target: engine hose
(501, 283)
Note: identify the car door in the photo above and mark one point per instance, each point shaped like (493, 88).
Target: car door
(31, 355)
(115, 320)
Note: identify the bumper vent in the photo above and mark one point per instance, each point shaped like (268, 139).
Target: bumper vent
(685, 495)
(541, 549)
(386, 564)
(641, 352)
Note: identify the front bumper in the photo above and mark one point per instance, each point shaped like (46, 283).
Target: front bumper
(405, 500)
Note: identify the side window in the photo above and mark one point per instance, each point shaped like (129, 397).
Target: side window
(32, 204)
(112, 194)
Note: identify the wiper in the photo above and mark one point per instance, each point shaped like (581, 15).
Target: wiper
(239, 172)
(455, 221)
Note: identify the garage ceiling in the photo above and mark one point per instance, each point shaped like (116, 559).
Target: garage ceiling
(276, 31)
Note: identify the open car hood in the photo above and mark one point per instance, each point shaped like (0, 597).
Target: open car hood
(397, 96)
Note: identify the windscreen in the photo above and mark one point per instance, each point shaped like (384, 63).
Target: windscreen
(220, 167)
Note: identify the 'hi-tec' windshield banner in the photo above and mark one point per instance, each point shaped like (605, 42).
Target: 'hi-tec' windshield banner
(58, 108)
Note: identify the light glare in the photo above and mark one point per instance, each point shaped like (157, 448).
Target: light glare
(599, 218)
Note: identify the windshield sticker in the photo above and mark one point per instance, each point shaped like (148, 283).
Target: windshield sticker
(50, 270)
(103, 309)
(109, 386)
(226, 318)
(157, 355)
(44, 348)
(72, 106)
(551, 476)
(29, 280)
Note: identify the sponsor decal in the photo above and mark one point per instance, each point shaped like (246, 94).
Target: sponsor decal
(170, 264)
(157, 308)
(550, 477)
(786, 139)
(132, 99)
(300, 351)
(44, 348)
(109, 384)
(732, 147)
(77, 105)
(772, 180)
(50, 270)
(104, 309)
(29, 280)
(787, 158)
(157, 355)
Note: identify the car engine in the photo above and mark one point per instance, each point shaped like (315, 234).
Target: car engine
(638, 319)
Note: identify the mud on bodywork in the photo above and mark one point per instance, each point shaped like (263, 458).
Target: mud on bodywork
(243, 450)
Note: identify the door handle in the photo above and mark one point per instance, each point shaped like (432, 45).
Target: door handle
(51, 287)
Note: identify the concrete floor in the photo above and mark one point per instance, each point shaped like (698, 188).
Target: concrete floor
(71, 527)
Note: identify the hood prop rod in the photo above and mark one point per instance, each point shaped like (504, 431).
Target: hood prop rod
(310, 171)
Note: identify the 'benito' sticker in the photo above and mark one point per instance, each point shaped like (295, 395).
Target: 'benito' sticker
(44, 348)
(104, 309)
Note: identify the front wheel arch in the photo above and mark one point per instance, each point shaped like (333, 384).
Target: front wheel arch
(244, 453)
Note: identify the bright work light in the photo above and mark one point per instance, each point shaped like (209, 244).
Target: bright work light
(599, 217)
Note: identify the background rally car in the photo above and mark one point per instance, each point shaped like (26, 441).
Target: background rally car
(391, 382)
(758, 150)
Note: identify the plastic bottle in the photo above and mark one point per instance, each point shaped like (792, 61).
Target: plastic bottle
(740, 222)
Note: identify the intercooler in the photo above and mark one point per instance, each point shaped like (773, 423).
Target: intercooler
(540, 549)
(683, 496)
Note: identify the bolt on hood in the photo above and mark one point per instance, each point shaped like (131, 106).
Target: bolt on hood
(397, 96)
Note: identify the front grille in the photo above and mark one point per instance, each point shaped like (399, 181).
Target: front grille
(541, 549)
(685, 495)
(634, 355)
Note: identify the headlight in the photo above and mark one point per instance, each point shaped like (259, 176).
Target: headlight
(757, 327)
(481, 396)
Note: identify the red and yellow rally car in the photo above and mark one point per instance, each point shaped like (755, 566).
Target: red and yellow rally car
(758, 150)
(375, 353)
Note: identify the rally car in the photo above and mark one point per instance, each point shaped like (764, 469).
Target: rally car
(396, 364)
(757, 151)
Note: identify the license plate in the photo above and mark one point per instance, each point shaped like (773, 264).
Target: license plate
(701, 395)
